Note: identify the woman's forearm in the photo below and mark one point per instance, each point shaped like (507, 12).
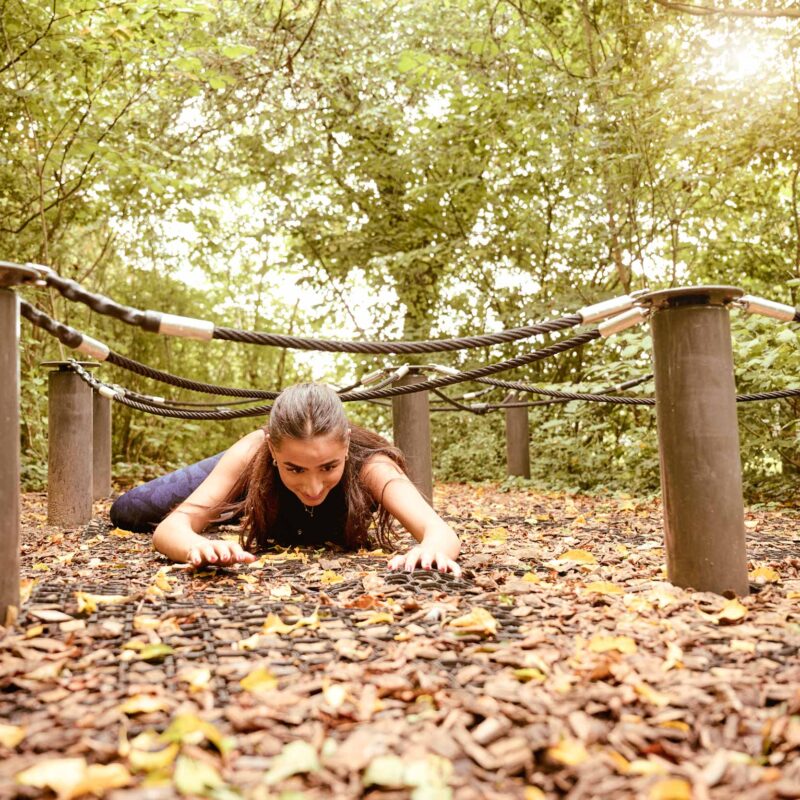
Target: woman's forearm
(175, 541)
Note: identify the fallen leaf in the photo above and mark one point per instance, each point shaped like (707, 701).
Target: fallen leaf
(144, 704)
(195, 777)
(603, 587)
(71, 777)
(259, 680)
(296, 758)
(479, 620)
(603, 644)
(11, 735)
(569, 752)
(671, 789)
(764, 575)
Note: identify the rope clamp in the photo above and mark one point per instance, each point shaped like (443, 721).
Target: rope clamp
(622, 322)
(93, 348)
(767, 308)
(187, 327)
(607, 308)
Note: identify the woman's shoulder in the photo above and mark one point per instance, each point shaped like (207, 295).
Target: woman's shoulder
(246, 448)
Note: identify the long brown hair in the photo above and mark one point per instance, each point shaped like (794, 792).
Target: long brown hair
(305, 411)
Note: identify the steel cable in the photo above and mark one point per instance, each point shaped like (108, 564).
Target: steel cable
(151, 320)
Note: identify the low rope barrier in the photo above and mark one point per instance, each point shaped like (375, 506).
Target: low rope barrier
(171, 324)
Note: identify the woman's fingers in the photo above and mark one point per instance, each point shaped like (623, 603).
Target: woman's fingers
(426, 560)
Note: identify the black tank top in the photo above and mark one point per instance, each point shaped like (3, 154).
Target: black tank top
(297, 524)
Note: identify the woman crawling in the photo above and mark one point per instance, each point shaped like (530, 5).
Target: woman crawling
(308, 477)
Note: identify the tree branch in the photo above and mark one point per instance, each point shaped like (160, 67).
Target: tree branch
(713, 11)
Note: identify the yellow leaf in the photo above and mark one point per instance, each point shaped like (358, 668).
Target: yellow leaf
(621, 550)
(40, 567)
(495, 535)
(621, 764)
(627, 505)
(11, 735)
(603, 644)
(274, 624)
(569, 752)
(530, 577)
(197, 678)
(793, 595)
(259, 680)
(148, 754)
(329, 578)
(732, 611)
(603, 587)
(335, 694)
(479, 620)
(243, 576)
(526, 674)
(121, 533)
(33, 631)
(533, 793)
(311, 621)
(764, 575)
(250, 643)
(671, 789)
(281, 592)
(88, 603)
(579, 521)
(577, 557)
(378, 618)
(71, 777)
(675, 724)
(742, 646)
(674, 657)
(641, 766)
(144, 704)
(662, 597)
(145, 622)
(191, 729)
(25, 589)
(651, 695)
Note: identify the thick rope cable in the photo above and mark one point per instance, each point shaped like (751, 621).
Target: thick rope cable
(72, 338)
(151, 321)
(160, 410)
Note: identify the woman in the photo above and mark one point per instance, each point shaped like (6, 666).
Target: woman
(308, 477)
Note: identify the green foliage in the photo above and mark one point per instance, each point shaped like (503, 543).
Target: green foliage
(406, 169)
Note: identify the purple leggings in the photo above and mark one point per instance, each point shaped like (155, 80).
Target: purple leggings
(143, 507)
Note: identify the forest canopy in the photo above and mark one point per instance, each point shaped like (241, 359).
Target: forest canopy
(410, 169)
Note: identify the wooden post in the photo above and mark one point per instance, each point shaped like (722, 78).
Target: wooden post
(10, 275)
(9, 460)
(69, 476)
(101, 446)
(411, 421)
(518, 455)
(701, 475)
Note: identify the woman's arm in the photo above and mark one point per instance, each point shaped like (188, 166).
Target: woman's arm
(438, 543)
(179, 537)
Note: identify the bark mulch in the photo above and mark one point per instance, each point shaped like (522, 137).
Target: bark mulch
(562, 664)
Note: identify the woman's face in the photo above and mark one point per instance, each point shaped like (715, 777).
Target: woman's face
(311, 467)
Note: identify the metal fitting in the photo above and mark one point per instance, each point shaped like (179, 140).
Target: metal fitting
(93, 347)
(373, 376)
(108, 392)
(605, 309)
(622, 322)
(767, 308)
(401, 372)
(446, 370)
(187, 327)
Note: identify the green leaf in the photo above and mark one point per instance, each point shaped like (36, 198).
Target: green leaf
(296, 757)
(195, 777)
(237, 50)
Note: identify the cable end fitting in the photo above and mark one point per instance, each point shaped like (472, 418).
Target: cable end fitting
(622, 322)
(44, 272)
(607, 308)
(93, 348)
(401, 372)
(108, 392)
(767, 308)
(445, 370)
(373, 376)
(186, 327)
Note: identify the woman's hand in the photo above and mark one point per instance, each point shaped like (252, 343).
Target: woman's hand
(427, 558)
(215, 551)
